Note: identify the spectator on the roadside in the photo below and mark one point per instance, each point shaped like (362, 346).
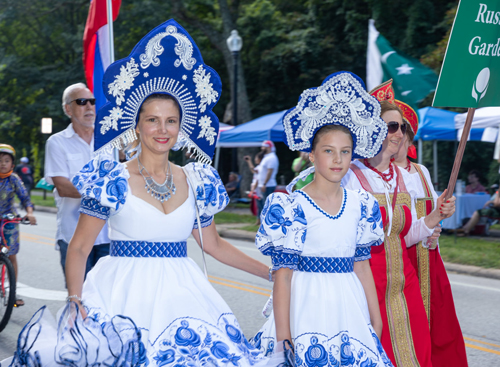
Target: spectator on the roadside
(65, 155)
(233, 184)
(491, 209)
(267, 172)
(474, 184)
(255, 193)
(25, 172)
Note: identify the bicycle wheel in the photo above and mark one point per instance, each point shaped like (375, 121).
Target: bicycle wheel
(7, 290)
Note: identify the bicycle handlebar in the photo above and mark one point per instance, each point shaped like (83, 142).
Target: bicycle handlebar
(10, 218)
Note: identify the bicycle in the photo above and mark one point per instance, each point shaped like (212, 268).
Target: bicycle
(7, 274)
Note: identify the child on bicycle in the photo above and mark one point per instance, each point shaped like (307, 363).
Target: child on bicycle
(10, 186)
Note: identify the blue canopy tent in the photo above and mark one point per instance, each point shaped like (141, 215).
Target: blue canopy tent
(252, 133)
(437, 124)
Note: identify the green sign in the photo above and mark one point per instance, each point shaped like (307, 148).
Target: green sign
(470, 76)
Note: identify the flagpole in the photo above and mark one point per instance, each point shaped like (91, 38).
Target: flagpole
(109, 10)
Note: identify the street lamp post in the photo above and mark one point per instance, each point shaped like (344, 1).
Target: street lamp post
(46, 128)
(234, 43)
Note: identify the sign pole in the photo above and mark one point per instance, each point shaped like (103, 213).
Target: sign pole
(460, 153)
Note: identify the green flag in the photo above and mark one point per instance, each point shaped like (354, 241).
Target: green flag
(412, 80)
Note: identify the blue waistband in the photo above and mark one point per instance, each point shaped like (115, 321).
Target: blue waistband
(148, 249)
(311, 264)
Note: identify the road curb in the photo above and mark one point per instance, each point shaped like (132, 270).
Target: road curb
(473, 270)
(45, 209)
(477, 271)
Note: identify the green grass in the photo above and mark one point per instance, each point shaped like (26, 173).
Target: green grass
(470, 251)
(38, 200)
(239, 205)
(225, 217)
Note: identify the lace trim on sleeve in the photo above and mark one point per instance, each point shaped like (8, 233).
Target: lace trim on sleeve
(93, 208)
(362, 253)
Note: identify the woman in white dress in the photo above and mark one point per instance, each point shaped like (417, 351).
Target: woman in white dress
(319, 237)
(148, 303)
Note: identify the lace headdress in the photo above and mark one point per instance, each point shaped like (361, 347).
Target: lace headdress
(385, 92)
(340, 100)
(165, 61)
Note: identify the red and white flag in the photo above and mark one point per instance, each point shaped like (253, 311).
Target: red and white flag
(96, 46)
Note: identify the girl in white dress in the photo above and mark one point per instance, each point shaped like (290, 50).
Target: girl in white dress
(148, 303)
(319, 237)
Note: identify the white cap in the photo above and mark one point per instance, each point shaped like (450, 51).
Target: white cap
(24, 160)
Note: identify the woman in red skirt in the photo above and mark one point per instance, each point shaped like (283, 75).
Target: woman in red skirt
(447, 341)
(405, 334)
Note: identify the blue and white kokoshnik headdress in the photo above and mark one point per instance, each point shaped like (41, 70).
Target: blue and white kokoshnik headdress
(340, 100)
(165, 61)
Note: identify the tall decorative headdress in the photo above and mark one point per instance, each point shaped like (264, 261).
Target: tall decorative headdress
(385, 92)
(340, 100)
(165, 61)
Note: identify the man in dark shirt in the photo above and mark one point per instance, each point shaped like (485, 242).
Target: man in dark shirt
(25, 172)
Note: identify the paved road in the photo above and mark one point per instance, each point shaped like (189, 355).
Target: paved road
(41, 283)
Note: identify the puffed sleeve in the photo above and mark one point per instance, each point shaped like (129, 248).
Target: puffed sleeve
(211, 195)
(103, 184)
(283, 230)
(370, 230)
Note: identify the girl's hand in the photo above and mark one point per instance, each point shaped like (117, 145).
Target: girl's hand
(445, 208)
(31, 218)
(437, 233)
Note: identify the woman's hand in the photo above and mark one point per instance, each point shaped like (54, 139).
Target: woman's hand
(446, 208)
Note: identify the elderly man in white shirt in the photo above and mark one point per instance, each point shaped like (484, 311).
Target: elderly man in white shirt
(268, 170)
(65, 155)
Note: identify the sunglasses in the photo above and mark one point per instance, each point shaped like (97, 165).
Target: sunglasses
(83, 101)
(393, 127)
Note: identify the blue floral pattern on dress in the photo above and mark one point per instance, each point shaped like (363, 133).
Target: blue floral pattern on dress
(104, 180)
(211, 195)
(203, 345)
(317, 350)
(370, 231)
(89, 342)
(282, 233)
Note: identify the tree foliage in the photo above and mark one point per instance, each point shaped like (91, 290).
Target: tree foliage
(288, 46)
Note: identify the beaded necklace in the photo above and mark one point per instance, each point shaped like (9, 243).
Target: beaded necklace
(385, 176)
(408, 166)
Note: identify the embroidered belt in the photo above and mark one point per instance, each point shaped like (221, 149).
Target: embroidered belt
(148, 249)
(326, 264)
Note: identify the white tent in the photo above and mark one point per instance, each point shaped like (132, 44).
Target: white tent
(487, 118)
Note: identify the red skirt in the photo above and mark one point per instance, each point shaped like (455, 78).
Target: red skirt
(406, 337)
(448, 346)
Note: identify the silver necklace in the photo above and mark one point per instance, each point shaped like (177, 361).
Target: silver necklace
(161, 192)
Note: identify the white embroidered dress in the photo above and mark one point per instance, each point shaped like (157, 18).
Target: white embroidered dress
(169, 314)
(329, 317)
